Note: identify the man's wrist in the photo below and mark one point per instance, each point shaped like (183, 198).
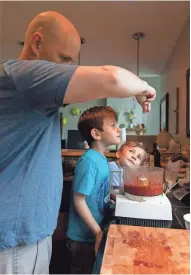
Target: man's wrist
(145, 85)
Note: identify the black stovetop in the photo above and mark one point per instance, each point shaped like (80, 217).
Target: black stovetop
(179, 209)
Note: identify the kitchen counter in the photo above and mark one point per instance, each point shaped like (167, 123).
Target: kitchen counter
(178, 210)
(146, 250)
(57, 266)
(79, 153)
(74, 153)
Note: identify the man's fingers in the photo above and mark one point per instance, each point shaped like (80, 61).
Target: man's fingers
(150, 98)
(149, 107)
(149, 94)
(146, 107)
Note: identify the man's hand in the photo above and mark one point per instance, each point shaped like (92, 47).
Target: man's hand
(146, 97)
(98, 240)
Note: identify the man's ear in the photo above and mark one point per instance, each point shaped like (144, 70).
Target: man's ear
(95, 134)
(36, 43)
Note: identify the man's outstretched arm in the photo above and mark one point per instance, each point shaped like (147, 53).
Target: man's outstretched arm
(95, 82)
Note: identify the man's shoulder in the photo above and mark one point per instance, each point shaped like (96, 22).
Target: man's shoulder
(17, 67)
(10, 62)
(17, 62)
(34, 63)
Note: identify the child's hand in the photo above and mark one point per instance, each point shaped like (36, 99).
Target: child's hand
(113, 197)
(98, 240)
(112, 204)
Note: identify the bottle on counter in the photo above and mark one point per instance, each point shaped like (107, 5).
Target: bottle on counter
(151, 160)
(154, 160)
(147, 158)
(156, 155)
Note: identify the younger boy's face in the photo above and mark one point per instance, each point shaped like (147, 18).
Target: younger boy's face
(111, 132)
(131, 156)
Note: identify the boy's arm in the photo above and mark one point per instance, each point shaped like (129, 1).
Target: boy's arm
(84, 212)
(84, 181)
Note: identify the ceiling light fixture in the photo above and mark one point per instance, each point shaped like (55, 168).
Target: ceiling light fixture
(137, 36)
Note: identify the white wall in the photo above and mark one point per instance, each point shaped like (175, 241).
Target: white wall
(174, 75)
(151, 120)
(73, 120)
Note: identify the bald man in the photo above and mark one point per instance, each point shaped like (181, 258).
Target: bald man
(31, 91)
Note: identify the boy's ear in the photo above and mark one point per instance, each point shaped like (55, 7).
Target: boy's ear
(95, 134)
(118, 154)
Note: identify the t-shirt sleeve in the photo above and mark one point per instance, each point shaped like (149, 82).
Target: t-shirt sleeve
(84, 176)
(40, 82)
(112, 166)
(115, 174)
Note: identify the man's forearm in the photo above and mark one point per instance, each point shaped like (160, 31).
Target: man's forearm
(90, 83)
(125, 83)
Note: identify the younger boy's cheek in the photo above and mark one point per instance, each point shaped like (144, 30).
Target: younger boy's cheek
(138, 162)
(126, 163)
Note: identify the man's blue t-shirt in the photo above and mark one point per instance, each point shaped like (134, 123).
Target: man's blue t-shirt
(91, 179)
(30, 152)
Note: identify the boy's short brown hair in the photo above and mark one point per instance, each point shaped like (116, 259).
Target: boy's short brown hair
(93, 118)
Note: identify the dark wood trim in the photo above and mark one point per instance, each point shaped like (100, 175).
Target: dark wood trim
(79, 153)
(165, 98)
(61, 116)
(188, 103)
(176, 111)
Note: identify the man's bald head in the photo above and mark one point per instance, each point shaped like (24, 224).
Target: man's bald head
(51, 36)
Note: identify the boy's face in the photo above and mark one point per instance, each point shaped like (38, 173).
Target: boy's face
(111, 132)
(130, 156)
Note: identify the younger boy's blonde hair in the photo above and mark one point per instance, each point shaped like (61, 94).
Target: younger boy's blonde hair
(132, 144)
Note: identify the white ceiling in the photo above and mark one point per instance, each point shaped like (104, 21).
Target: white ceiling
(107, 28)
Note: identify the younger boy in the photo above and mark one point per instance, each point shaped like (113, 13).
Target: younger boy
(90, 198)
(129, 154)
